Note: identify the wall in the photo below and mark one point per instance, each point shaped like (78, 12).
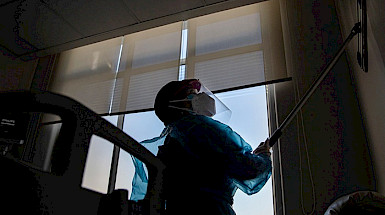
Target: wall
(14, 73)
(324, 152)
(17, 74)
(370, 86)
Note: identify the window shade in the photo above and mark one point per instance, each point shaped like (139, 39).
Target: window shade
(236, 70)
(87, 74)
(233, 48)
(236, 47)
(150, 59)
(142, 89)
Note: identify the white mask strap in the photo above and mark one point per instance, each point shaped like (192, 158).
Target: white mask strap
(179, 108)
(180, 100)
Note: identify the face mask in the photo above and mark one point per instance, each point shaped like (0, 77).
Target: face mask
(201, 104)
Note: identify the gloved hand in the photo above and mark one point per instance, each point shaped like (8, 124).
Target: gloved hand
(264, 147)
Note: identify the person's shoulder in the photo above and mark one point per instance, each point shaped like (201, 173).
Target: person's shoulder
(205, 120)
(212, 125)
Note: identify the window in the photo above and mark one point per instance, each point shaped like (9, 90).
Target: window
(140, 126)
(232, 48)
(97, 170)
(237, 48)
(249, 119)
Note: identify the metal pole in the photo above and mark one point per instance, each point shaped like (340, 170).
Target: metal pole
(277, 133)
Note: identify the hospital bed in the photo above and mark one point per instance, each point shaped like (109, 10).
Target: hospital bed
(58, 191)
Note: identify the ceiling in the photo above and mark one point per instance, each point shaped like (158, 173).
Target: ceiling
(33, 28)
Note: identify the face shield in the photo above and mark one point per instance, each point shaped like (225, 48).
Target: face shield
(200, 100)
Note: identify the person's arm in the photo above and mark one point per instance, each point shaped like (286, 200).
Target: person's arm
(249, 169)
(248, 165)
(242, 162)
(209, 138)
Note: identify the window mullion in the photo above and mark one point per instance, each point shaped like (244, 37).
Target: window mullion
(115, 159)
(183, 52)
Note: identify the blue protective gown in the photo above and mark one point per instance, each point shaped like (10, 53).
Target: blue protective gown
(206, 163)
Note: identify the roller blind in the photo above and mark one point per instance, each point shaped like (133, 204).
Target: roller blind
(236, 47)
(228, 49)
(150, 59)
(87, 74)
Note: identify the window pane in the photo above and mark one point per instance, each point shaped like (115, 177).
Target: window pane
(140, 126)
(249, 119)
(97, 170)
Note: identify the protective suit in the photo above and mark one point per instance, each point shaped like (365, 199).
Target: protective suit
(206, 163)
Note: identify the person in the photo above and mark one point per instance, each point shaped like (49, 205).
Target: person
(206, 161)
